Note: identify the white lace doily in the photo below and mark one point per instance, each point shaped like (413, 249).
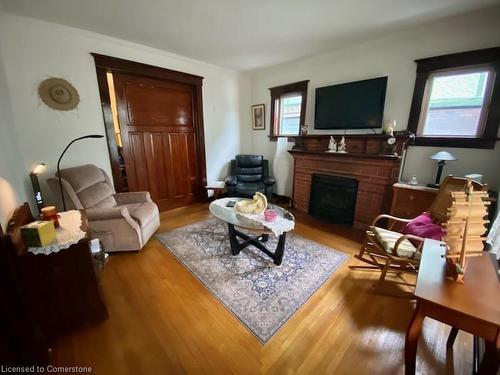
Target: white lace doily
(278, 226)
(68, 233)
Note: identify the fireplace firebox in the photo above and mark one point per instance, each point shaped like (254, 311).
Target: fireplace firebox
(333, 198)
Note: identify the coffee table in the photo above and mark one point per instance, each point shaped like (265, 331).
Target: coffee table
(261, 233)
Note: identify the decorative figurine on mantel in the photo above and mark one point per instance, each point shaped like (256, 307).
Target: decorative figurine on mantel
(342, 146)
(332, 145)
(389, 146)
(464, 229)
(389, 127)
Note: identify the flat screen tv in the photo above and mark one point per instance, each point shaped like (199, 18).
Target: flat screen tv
(353, 105)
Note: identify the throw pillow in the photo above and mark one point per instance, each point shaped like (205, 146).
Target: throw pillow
(423, 226)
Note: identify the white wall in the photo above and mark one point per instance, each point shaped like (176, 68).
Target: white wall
(392, 55)
(12, 191)
(35, 50)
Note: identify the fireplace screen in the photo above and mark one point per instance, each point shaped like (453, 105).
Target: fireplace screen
(333, 198)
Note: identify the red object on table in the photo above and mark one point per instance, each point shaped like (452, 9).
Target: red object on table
(270, 215)
(50, 214)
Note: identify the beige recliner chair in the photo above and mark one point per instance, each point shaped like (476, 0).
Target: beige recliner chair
(122, 221)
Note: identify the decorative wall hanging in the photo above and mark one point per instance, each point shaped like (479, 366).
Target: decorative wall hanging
(258, 117)
(58, 94)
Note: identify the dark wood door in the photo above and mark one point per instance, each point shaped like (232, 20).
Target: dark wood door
(157, 122)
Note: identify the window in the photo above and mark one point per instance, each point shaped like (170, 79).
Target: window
(454, 100)
(455, 103)
(288, 109)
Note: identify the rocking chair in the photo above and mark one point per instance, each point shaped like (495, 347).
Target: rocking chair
(388, 249)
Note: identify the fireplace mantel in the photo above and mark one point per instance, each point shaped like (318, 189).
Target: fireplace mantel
(346, 155)
(375, 174)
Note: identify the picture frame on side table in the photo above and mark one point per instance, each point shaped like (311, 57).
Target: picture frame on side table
(259, 117)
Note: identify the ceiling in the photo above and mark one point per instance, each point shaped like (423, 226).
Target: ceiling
(238, 34)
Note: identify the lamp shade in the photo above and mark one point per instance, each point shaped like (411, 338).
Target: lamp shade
(443, 155)
(39, 168)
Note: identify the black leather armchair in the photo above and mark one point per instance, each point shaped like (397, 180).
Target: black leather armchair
(249, 174)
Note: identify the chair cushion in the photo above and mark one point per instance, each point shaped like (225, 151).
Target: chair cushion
(248, 189)
(90, 185)
(249, 161)
(99, 195)
(249, 168)
(143, 213)
(388, 238)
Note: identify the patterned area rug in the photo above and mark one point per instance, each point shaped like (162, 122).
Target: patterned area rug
(260, 294)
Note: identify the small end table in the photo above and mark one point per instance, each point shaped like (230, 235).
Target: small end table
(218, 187)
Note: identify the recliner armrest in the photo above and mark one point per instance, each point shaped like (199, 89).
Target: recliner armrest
(231, 180)
(132, 197)
(96, 214)
(269, 181)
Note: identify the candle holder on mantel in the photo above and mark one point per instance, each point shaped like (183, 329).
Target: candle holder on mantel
(464, 229)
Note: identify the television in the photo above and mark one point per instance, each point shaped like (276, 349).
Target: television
(353, 105)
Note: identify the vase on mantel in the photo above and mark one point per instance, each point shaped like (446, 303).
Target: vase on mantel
(282, 167)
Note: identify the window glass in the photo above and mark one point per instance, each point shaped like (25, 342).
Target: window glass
(289, 119)
(455, 103)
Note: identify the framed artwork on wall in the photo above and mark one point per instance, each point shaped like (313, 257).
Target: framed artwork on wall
(258, 117)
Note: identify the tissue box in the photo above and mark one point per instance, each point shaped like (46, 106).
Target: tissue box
(38, 233)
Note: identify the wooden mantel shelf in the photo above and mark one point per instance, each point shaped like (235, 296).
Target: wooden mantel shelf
(358, 145)
(397, 134)
(347, 154)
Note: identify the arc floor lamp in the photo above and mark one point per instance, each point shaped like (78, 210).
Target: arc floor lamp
(59, 162)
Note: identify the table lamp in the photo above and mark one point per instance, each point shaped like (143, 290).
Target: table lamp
(59, 162)
(39, 168)
(442, 156)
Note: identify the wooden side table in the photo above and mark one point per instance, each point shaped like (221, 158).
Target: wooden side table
(473, 306)
(218, 188)
(409, 201)
(61, 290)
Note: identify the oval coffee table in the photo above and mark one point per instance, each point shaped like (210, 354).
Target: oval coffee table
(236, 220)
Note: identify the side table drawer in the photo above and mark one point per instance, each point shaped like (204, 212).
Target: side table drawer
(409, 203)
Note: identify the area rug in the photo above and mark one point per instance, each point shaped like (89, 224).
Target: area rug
(260, 294)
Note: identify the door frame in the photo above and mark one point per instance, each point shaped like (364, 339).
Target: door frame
(105, 64)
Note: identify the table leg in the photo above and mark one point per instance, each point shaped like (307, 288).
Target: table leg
(452, 336)
(491, 358)
(258, 242)
(280, 250)
(233, 240)
(411, 339)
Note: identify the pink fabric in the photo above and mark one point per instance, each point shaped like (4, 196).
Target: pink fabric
(422, 226)
(270, 215)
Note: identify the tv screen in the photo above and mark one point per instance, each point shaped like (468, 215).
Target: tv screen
(353, 105)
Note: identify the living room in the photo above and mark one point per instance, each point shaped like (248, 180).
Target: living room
(186, 284)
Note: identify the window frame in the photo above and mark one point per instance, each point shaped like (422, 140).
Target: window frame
(485, 58)
(277, 92)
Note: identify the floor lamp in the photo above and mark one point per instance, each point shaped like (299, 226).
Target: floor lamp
(59, 162)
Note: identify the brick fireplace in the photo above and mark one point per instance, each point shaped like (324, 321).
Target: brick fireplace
(375, 173)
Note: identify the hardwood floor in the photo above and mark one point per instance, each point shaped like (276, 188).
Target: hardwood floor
(163, 321)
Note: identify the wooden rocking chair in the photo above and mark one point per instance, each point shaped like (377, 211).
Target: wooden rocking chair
(388, 249)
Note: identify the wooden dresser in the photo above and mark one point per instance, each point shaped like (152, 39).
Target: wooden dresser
(409, 201)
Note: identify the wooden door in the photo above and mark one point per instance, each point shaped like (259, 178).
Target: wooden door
(157, 123)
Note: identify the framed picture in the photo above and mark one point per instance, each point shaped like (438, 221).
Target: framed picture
(258, 117)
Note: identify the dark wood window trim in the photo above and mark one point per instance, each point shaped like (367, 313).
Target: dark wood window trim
(276, 93)
(105, 64)
(490, 57)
